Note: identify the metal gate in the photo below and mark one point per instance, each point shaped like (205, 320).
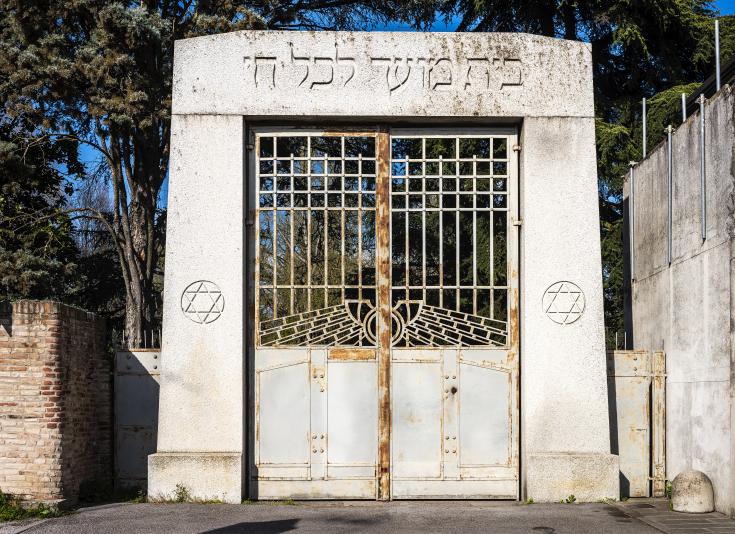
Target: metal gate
(385, 358)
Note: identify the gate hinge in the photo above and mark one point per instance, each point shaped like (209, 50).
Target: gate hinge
(250, 144)
(516, 148)
(518, 222)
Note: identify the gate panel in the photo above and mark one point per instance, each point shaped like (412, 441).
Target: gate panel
(316, 333)
(283, 410)
(417, 419)
(352, 419)
(636, 381)
(453, 296)
(385, 291)
(484, 422)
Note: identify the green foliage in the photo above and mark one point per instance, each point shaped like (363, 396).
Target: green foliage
(13, 509)
(662, 109)
(569, 500)
(182, 494)
(99, 74)
(38, 256)
(647, 48)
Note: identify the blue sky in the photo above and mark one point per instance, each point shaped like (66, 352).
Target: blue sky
(726, 7)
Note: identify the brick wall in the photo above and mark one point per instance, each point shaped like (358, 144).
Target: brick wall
(55, 401)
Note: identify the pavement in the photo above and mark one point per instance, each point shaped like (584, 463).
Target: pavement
(634, 516)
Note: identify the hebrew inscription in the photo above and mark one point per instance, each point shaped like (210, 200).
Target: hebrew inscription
(304, 70)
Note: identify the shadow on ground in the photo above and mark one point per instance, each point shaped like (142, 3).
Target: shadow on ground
(262, 527)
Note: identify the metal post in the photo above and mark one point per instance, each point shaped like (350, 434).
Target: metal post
(717, 52)
(631, 218)
(702, 172)
(670, 173)
(683, 108)
(644, 127)
(383, 319)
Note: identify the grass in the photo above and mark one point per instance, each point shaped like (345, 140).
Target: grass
(181, 494)
(13, 509)
(284, 502)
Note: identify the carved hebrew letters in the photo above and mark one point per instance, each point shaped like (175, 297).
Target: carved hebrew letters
(510, 71)
(319, 70)
(397, 70)
(264, 70)
(432, 73)
(483, 74)
(440, 74)
(312, 71)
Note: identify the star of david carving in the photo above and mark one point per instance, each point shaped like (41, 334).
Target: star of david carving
(202, 302)
(563, 302)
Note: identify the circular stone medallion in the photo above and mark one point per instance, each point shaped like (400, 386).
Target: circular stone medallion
(202, 302)
(563, 302)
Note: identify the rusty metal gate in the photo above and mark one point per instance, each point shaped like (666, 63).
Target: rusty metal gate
(637, 392)
(385, 333)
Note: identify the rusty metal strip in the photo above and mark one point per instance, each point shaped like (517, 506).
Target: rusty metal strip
(658, 424)
(351, 354)
(382, 227)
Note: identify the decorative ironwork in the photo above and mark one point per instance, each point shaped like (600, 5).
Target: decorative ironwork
(353, 323)
(202, 302)
(416, 324)
(316, 272)
(449, 226)
(350, 323)
(563, 302)
(316, 235)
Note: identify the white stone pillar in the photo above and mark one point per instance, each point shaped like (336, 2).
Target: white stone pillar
(563, 368)
(200, 434)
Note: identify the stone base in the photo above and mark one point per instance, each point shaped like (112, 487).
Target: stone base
(205, 475)
(590, 477)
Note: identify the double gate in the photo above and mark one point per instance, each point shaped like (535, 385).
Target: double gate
(385, 336)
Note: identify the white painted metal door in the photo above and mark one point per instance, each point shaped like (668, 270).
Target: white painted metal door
(385, 346)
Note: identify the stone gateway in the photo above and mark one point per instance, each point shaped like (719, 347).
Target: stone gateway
(404, 229)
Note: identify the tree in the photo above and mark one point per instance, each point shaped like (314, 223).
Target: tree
(639, 49)
(99, 74)
(38, 256)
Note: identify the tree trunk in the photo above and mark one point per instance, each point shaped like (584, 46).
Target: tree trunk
(570, 21)
(136, 183)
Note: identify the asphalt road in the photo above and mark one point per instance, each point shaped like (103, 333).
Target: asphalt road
(327, 517)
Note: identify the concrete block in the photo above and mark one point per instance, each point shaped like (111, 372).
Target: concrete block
(590, 477)
(691, 492)
(206, 476)
(394, 74)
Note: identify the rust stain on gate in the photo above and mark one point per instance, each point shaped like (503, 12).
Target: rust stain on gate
(382, 193)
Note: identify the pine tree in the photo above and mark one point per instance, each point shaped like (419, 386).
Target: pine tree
(99, 74)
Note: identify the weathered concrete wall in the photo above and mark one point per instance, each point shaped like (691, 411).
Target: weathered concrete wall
(55, 401)
(382, 74)
(685, 308)
(201, 400)
(563, 403)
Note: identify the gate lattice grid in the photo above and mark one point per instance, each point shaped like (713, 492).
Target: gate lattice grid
(316, 274)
